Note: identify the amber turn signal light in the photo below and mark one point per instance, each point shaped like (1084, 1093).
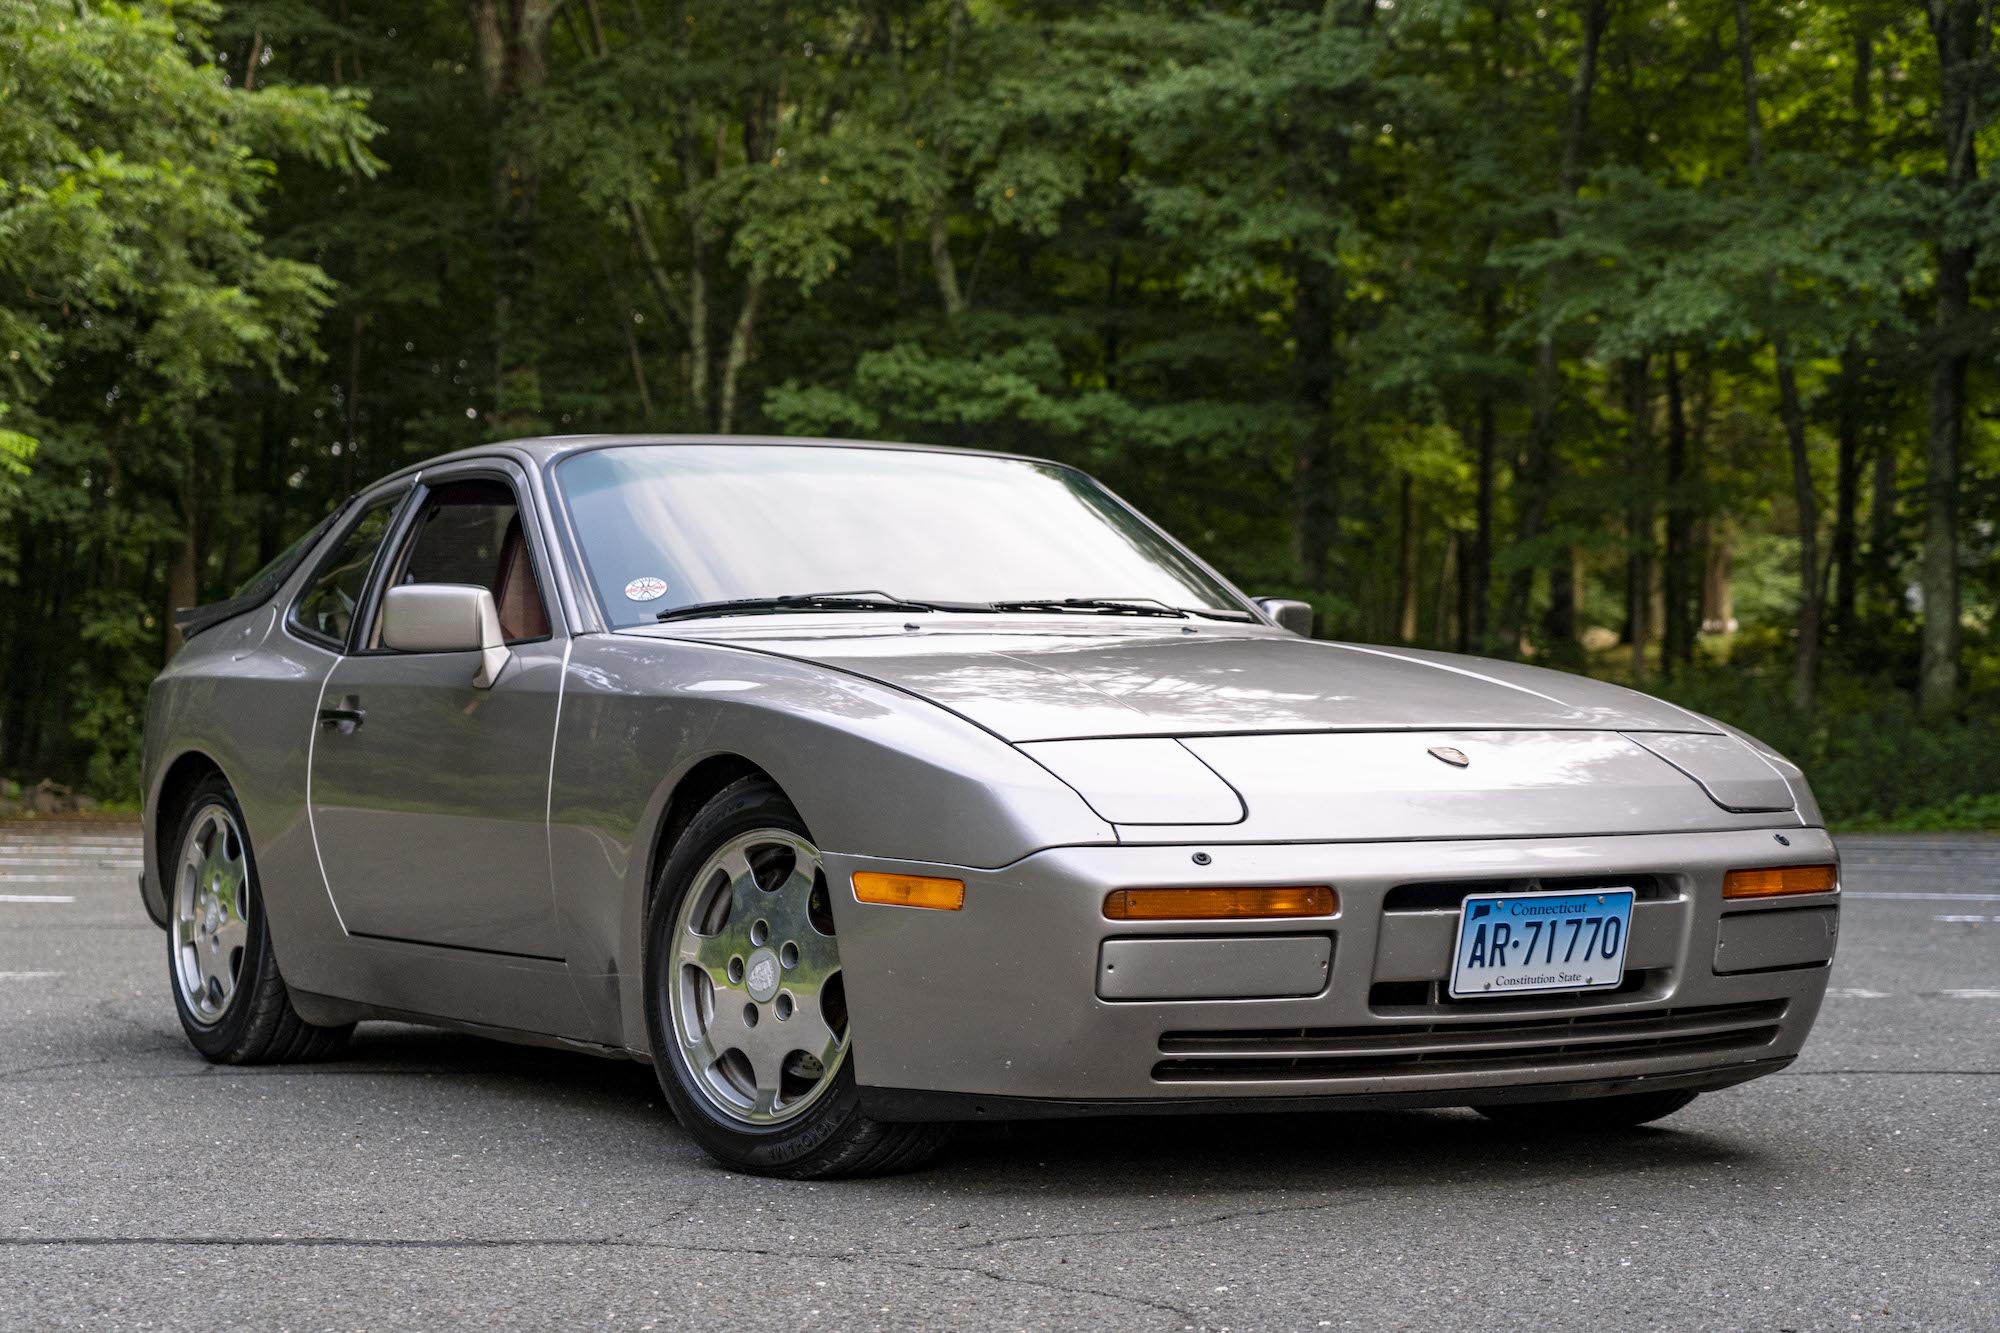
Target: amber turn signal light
(946, 895)
(1219, 904)
(1771, 881)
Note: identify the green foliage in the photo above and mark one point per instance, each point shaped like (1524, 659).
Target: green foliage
(1873, 760)
(121, 227)
(136, 285)
(1967, 813)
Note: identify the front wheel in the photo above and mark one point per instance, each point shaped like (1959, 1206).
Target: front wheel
(1590, 1114)
(747, 1005)
(232, 1002)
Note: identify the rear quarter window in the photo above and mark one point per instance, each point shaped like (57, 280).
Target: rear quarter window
(326, 608)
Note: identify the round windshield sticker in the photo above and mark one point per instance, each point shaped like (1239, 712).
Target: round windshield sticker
(646, 589)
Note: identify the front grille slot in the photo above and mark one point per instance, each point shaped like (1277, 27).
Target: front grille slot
(1449, 896)
(1391, 1049)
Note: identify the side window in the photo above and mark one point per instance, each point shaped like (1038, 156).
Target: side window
(470, 532)
(325, 610)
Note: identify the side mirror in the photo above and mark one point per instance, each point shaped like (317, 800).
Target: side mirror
(446, 618)
(1294, 616)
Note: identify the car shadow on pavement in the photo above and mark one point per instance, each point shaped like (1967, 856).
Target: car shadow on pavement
(1103, 1156)
(517, 1071)
(1342, 1149)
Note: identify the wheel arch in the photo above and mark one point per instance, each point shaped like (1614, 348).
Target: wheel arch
(698, 786)
(187, 771)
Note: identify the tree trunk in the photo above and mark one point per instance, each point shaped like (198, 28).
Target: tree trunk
(1882, 522)
(1639, 514)
(1805, 666)
(1842, 598)
(1406, 615)
(624, 314)
(270, 483)
(942, 266)
(1447, 630)
(950, 295)
(740, 341)
(1476, 596)
(351, 419)
(698, 354)
(1312, 369)
(1718, 605)
(510, 48)
(1475, 621)
(24, 627)
(1964, 34)
(1559, 625)
(1539, 483)
(688, 144)
(184, 561)
(1677, 574)
(1854, 379)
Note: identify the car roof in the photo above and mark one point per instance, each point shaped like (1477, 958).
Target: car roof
(543, 450)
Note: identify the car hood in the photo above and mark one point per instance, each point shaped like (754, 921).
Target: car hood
(1066, 680)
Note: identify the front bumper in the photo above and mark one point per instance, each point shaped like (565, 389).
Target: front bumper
(1000, 1009)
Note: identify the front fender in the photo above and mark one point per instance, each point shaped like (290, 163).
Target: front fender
(872, 770)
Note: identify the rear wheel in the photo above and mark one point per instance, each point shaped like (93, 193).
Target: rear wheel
(231, 999)
(746, 1001)
(1586, 1114)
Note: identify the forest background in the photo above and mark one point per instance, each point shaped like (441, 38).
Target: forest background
(1649, 338)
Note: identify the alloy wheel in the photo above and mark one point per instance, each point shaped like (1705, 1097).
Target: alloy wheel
(211, 919)
(758, 1003)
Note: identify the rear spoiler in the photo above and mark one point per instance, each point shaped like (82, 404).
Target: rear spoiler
(265, 583)
(192, 620)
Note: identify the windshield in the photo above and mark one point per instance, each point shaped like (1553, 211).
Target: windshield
(668, 526)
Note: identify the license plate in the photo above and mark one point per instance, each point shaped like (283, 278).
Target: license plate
(1541, 942)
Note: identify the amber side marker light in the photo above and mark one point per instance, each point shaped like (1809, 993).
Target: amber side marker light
(946, 895)
(1219, 904)
(1771, 881)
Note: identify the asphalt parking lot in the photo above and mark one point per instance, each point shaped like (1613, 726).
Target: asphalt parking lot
(430, 1180)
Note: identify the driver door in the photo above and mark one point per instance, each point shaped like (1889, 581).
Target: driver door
(429, 796)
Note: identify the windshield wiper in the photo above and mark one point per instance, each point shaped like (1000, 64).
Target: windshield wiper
(873, 599)
(1120, 606)
(1115, 606)
(862, 599)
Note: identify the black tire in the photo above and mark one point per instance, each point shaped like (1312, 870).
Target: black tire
(831, 1137)
(258, 1024)
(1590, 1114)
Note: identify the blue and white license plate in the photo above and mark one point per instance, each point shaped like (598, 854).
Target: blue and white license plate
(1517, 942)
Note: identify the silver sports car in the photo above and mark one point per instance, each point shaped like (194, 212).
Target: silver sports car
(863, 788)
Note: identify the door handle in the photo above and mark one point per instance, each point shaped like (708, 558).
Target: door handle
(344, 716)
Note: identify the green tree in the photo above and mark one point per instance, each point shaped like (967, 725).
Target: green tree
(134, 278)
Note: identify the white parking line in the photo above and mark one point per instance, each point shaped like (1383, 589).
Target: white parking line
(1962, 993)
(81, 864)
(27, 976)
(48, 851)
(37, 898)
(1923, 897)
(22, 846)
(1966, 918)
